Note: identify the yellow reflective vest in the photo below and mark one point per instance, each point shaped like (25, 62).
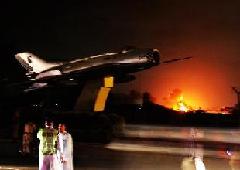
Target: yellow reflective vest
(48, 141)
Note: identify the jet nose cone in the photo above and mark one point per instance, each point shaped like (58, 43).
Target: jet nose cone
(156, 57)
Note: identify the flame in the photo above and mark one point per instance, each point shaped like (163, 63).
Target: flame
(181, 105)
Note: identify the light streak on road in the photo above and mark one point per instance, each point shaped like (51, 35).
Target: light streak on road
(201, 133)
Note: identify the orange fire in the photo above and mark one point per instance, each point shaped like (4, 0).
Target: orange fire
(181, 105)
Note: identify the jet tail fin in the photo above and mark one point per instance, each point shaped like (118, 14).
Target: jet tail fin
(23, 62)
(32, 63)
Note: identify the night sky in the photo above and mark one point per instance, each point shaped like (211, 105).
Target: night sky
(209, 31)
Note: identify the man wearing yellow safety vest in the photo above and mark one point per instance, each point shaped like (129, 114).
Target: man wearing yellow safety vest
(47, 146)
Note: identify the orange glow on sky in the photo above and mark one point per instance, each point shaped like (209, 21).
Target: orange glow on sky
(205, 80)
(200, 83)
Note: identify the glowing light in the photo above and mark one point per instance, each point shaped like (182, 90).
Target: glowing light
(229, 153)
(181, 105)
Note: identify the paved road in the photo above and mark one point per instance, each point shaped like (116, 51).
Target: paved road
(210, 134)
(152, 148)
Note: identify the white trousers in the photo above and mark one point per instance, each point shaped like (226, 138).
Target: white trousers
(46, 162)
(68, 165)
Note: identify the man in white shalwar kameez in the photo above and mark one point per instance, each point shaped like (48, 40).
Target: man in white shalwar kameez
(64, 149)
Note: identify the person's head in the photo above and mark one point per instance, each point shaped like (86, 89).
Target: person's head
(62, 128)
(48, 124)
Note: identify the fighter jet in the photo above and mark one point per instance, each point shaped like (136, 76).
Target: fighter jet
(119, 65)
(92, 72)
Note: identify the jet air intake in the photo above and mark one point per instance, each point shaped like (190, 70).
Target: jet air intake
(156, 56)
(153, 57)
